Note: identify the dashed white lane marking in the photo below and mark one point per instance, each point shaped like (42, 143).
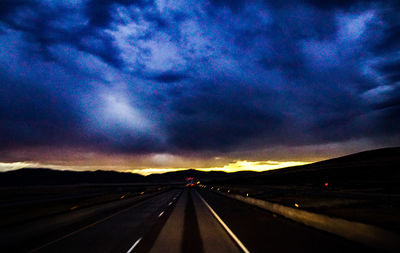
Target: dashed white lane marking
(134, 245)
(234, 237)
(82, 229)
(161, 214)
(170, 203)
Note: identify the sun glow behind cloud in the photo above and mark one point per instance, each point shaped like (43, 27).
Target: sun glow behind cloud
(16, 165)
(236, 166)
(254, 166)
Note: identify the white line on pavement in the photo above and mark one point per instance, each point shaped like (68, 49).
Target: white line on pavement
(161, 214)
(234, 237)
(134, 245)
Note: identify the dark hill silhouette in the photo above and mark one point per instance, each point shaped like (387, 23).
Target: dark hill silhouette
(43, 176)
(380, 167)
(179, 176)
(372, 168)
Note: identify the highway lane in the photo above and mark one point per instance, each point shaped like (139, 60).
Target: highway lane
(195, 221)
(176, 221)
(114, 233)
(262, 231)
(215, 237)
(192, 228)
(169, 238)
(119, 232)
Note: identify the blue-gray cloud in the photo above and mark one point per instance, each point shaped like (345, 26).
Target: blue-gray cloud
(193, 76)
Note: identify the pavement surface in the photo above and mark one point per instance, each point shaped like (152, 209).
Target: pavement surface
(262, 231)
(192, 220)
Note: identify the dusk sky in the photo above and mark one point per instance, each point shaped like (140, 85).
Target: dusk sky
(151, 86)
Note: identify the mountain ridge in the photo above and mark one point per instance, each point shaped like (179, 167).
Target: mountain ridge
(371, 165)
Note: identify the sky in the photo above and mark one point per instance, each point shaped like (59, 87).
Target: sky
(151, 86)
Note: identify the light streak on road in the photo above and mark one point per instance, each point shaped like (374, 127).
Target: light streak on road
(233, 236)
(134, 245)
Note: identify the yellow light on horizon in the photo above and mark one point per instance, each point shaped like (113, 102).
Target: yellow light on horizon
(149, 171)
(254, 166)
(241, 165)
(236, 166)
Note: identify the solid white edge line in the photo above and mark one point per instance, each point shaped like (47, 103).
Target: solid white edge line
(134, 245)
(234, 237)
(161, 214)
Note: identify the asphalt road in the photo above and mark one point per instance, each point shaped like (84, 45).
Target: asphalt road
(262, 231)
(191, 227)
(193, 221)
(110, 231)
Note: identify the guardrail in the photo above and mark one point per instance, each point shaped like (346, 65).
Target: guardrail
(366, 234)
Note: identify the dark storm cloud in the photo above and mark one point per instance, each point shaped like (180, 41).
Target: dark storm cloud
(33, 115)
(235, 5)
(170, 77)
(160, 76)
(45, 26)
(9, 6)
(100, 12)
(329, 4)
(391, 40)
(211, 116)
(391, 71)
